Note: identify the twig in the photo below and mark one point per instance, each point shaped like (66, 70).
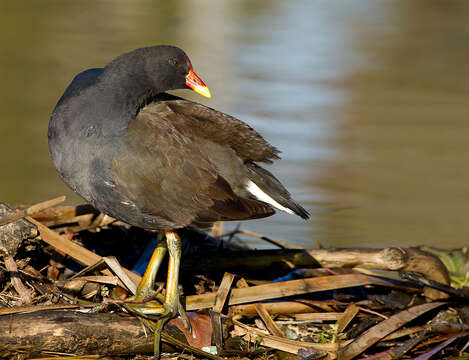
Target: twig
(123, 276)
(461, 293)
(373, 312)
(437, 349)
(32, 210)
(23, 292)
(35, 308)
(393, 258)
(281, 244)
(318, 316)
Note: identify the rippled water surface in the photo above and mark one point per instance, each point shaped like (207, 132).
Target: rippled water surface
(367, 100)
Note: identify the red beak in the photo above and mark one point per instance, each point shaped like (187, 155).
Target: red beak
(194, 82)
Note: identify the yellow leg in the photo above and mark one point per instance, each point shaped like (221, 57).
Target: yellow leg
(171, 301)
(170, 304)
(145, 287)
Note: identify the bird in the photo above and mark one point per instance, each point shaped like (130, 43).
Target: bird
(158, 161)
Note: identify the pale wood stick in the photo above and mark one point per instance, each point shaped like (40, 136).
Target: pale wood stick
(222, 292)
(75, 251)
(319, 316)
(284, 307)
(69, 213)
(279, 243)
(120, 272)
(32, 210)
(349, 314)
(286, 288)
(35, 308)
(263, 313)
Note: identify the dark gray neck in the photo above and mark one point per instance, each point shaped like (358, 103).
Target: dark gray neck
(126, 92)
(99, 103)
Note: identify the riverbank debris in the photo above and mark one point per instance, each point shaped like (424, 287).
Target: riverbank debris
(66, 271)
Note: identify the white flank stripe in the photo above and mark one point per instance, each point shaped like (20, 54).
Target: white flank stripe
(262, 196)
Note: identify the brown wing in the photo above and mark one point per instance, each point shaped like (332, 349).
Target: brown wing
(176, 177)
(216, 126)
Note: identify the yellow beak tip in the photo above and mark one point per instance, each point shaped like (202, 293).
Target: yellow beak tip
(202, 90)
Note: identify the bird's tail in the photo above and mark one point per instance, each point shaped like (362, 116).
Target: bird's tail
(265, 187)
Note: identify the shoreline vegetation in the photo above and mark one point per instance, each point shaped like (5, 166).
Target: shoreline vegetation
(65, 272)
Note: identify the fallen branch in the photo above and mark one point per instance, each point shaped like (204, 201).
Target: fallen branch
(72, 332)
(78, 333)
(402, 259)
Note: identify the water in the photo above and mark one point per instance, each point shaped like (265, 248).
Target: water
(367, 100)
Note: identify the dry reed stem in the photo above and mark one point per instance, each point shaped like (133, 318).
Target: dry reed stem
(32, 210)
(349, 314)
(75, 251)
(223, 291)
(263, 314)
(286, 288)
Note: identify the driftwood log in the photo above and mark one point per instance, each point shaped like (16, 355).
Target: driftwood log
(393, 259)
(75, 332)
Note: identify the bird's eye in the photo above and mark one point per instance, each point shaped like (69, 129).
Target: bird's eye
(173, 62)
